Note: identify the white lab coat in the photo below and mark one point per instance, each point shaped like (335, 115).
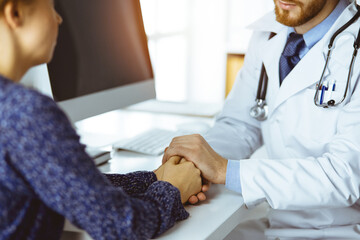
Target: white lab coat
(312, 177)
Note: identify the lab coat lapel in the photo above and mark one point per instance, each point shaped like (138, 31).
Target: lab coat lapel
(272, 51)
(306, 73)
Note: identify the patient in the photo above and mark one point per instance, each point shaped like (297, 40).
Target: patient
(45, 174)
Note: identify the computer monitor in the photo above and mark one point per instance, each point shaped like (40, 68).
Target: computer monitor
(101, 61)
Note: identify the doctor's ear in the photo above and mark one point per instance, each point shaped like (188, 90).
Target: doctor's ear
(13, 13)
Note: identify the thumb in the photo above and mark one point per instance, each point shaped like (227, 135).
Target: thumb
(183, 160)
(174, 160)
(164, 159)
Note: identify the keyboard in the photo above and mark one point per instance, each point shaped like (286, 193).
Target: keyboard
(152, 142)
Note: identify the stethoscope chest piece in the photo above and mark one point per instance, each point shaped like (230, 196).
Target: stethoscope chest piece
(260, 110)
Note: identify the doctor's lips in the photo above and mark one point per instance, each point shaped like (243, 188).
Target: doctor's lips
(287, 5)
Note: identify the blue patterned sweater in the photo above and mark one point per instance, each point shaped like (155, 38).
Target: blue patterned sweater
(45, 175)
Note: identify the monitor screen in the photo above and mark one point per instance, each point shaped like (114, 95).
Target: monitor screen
(102, 50)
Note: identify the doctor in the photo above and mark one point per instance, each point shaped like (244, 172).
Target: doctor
(311, 177)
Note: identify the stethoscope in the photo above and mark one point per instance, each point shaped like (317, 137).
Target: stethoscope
(260, 110)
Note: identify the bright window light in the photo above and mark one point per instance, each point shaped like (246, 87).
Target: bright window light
(189, 41)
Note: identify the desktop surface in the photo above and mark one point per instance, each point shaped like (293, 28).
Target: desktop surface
(212, 219)
(108, 128)
(182, 108)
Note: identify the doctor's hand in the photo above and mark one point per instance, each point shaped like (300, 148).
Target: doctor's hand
(201, 196)
(194, 148)
(181, 174)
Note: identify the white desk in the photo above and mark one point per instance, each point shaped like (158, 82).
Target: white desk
(212, 219)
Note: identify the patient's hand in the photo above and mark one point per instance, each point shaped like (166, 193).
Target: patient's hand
(194, 199)
(181, 174)
(201, 196)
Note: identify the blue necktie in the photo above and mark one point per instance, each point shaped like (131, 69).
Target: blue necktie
(290, 56)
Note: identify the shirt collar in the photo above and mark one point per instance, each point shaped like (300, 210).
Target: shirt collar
(318, 32)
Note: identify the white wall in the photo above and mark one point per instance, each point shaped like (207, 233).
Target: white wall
(190, 58)
(242, 13)
(207, 55)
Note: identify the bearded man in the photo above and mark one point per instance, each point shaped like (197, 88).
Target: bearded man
(310, 128)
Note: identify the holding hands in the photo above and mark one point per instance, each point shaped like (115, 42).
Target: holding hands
(195, 149)
(181, 174)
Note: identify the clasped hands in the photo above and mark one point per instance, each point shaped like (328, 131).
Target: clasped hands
(190, 164)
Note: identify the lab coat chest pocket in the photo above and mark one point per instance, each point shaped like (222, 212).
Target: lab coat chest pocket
(335, 82)
(316, 126)
(310, 126)
(336, 74)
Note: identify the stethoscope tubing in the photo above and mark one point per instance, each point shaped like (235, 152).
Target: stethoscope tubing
(262, 87)
(356, 46)
(263, 80)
